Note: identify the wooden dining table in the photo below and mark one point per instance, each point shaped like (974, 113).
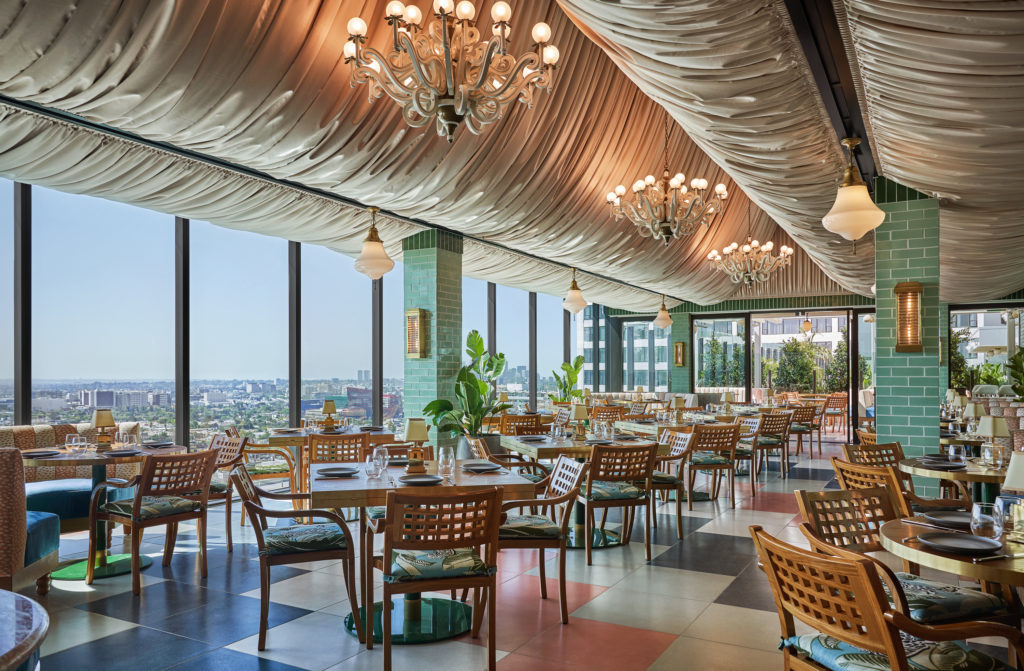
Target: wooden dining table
(106, 565)
(987, 479)
(295, 440)
(415, 619)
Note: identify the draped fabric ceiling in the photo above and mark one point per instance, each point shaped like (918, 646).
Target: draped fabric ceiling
(262, 84)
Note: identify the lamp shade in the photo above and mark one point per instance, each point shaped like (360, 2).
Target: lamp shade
(853, 214)
(416, 429)
(574, 301)
(959, 401)
(664, 319)
(728, 397)
(502, 397)
(950, 394)
(373, 261)
(103, 418)
(974, 410)
(329, 407)
(640, 389)
(678, 402)
(1015, 472)
(993, 427)
(579, 413)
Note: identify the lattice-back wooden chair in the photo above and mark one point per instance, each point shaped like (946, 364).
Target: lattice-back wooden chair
(670, 474)
(619, 477)
(164, 486)
(836, 410)
(511, 423)
(277, 545)
(772, 434)
(561, 417)
(266, 462)
(803, 425)
(547, 525)
(779, 399)
(713, 448)
(637, 410)
(526, 430)
(345, 448)
(793, 398)
(845, 598)
(399, 450)
(749, 426)
(606, 413)
(891, 454)
(438, 542)
(229, 454)
(859, 476)
(867, 437)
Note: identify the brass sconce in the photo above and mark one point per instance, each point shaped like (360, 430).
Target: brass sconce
(908, 317)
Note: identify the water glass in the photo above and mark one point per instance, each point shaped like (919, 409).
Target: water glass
(958, 454)
(371, 468)
(380, 459)
(129, 441)
(1008, 507)
(992, 456)
(986, 521)
(446, 462)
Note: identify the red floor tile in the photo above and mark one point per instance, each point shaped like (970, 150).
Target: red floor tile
(598, 645)
(516, 662)
(773, 502)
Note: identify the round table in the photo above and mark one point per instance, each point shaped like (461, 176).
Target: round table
(107, 565)
(23, 626)
(1002, 571)
(989, 479)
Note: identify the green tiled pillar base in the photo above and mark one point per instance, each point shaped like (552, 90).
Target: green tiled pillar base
(432, 261)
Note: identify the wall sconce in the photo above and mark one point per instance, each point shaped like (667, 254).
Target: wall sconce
(908, 317)
(416, 334)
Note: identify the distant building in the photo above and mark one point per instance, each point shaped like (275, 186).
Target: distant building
(47, 404)
(214, 397)
(364, 376)
(96, 398)
(130, 399)
(159, 399)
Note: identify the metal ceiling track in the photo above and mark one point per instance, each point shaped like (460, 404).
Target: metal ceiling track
(74, 119)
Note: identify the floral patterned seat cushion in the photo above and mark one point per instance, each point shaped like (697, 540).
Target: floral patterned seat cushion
(303, 538)
(529, 526)
(744, 452)
(925, 655)
(153, 506)
(532, 477)
(662, 478)
(376, 512)
(800, 428)
(603, 490)
(408, 565)
(708, 458)
(932, 601)
(268, 467)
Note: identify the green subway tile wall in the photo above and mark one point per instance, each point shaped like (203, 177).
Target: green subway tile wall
(679, 376)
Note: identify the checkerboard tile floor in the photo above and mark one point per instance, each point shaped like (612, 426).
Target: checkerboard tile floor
(700, 603)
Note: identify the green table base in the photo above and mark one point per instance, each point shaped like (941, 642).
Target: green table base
(600, 539)
(418, 620)
(115, 565)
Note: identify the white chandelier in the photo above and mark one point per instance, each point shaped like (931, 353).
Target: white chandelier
(667, 209)
(444, 71)
(753, 262)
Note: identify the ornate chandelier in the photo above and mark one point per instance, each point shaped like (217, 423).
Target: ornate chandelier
(444, 71)
(753, 262)
(667, 209)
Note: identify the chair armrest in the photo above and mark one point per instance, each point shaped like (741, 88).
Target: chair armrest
(286, 496)
(276, 451)
(934, 503)
(100, 489)
(958, 631)
(314, 513)
(523, 503)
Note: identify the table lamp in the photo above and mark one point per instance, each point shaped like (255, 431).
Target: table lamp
(950, 395)
(502, 397)
(416, 431)
(993, 427)
(973, 411)
(103, 419)
(639, 393)
(328, 410)
(1015, 473)
(579, 415)
(957, 404)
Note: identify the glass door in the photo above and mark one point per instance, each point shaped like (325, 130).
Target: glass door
(862, 382)
(720, 356)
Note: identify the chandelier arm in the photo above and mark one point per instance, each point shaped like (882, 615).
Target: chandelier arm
(385, 77)
(446, 47)
(515, 81)
(417, 66)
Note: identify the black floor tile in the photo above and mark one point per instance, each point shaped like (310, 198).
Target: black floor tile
(993, 651)
(229, 660)
(750, 589)
(226, 621)
(710, 553)
(803, 473)
(831, 484)
(157, 602)
(131, 650)
(665, 534)
(237, 576)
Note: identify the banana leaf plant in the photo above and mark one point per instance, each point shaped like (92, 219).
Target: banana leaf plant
(1015, 371)
(475, 393)
(566, 385)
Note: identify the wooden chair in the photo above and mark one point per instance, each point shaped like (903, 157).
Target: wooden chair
(164, 486)
(857, 476)
(435, 542)
(819, 421)
(524, 430)
(399, 450)
(713, 448)
(843, 598)
(531, 470)
(867, 437)
(637, 408)
(607, 413)
(548, 524)
(891, 454)
(511, 423)
(772, 434)
(836, 410)
(346, 448)
(265, 462)
(561, 417)
(277, 545)
(229, 454)
(803, 425)
(619, 477)
(670, 474)
(749, 426)
(793, 398)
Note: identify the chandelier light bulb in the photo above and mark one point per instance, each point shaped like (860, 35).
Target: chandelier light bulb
(673, 184)
(349, 50)
(769, 245)
(541, 33)
(746, 249)
(680, 177)
(638, 185)
(703, 183)
(694, 183)
(501, 12)
(620, 190)
(611, 197)
(755, 244)
(720, 189)
(357, 27)
(465, 11)
(412, 15)
(550, 54)
(395, 9)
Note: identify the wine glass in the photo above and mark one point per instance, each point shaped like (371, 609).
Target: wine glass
(371, 467)
(958, 454)
(446, 463)
(986, 521)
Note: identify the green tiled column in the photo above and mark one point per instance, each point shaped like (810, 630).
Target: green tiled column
(944, 353)
(907, 385)
(433, 282)
(679, 376)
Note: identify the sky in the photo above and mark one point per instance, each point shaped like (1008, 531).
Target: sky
(103, 300)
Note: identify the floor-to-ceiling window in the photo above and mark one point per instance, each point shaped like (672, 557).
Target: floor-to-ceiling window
(474, 310)
(980, 340)
(336, 334)
(394, 351)
(719, 356)
(798, 352)
(239, 331)
(7, 302)
(550, 345)
(513, 340)
(102, 311)
(591, 334)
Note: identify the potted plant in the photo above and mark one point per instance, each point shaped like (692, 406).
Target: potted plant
(475, 398)
(566, 386)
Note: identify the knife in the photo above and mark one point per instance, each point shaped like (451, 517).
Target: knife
(1016, 555)
(916, 523)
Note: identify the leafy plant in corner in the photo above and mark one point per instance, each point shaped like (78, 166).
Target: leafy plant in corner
(474, 392)
(566, 386)
(1015, 371)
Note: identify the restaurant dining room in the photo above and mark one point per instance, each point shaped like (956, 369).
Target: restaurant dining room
(546, 335)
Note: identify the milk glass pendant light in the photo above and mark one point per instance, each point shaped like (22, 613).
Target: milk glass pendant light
(574, 301)
(854, 213)
(374, 261)
(664, 319)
